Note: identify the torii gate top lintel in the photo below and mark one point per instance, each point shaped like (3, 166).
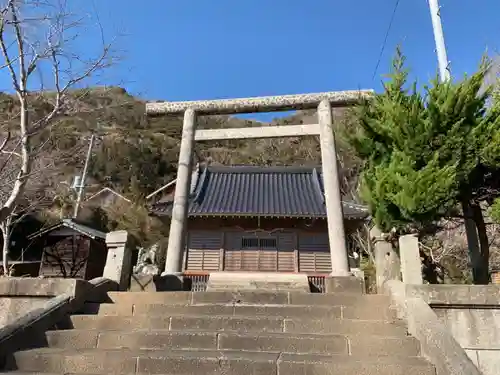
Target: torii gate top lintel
(258, 104)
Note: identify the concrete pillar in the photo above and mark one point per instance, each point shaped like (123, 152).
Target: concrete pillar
(177, 235)
(387, 264)
(333, 200)
(411, 265)
(119, 260)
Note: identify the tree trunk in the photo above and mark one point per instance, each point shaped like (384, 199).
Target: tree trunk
(484, 244)
(19, 185)
(475, 248)
(472, 240)
(5, 249)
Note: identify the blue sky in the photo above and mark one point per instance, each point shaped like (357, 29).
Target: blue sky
(201, 49)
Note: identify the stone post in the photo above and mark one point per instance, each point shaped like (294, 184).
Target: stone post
(119, 261)
(333, 200)
(387, 264)
(411, 265)
(177, 235)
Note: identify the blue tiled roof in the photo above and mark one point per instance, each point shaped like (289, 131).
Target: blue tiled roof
(259, 191)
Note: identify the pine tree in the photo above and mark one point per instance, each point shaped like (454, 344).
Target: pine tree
(427, 154)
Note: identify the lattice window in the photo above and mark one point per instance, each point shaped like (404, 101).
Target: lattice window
(250, 243)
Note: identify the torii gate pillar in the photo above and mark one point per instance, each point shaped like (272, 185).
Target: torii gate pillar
(333, 199)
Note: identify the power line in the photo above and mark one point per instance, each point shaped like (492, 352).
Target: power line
(388, 31)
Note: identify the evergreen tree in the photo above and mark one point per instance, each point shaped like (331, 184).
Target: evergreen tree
(427, 154)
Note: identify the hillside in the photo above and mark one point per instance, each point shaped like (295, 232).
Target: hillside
(135, 154)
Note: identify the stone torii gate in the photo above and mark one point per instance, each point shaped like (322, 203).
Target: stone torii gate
(191, 109)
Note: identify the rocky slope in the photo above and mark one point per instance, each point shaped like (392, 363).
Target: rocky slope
(136, 154)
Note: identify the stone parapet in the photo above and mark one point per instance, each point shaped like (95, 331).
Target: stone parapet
(19, 296)
(457, 295)
(471, 313)
(119, 261)
(28, 328)
(39, 287)
(438, 344)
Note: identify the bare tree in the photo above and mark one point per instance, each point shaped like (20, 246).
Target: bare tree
(36, 39)
(36, 197)
(25, 205)
(445, 248)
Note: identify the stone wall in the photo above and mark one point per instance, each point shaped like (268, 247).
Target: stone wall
(19, 296)
(472, 315)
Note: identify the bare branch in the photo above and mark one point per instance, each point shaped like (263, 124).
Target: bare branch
(8, 159)
(8, 61)
(5, 141)
(20, 45)
(12, 153)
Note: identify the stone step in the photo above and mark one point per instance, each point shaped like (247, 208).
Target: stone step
(247, 297)
(237, 324)
(123, 361)
(278, 281)
(363, 311)
(267, 342)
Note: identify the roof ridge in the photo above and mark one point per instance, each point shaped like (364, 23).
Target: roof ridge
(262, 169)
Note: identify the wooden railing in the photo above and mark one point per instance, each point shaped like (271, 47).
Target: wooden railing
(196, 281)
(317, 282)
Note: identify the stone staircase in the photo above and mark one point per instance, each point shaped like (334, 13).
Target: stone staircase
(229, 333)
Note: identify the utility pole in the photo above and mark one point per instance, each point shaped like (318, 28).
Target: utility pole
(444, 65)
(84, 177)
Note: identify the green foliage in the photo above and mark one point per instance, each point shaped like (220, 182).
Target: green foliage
(495, 210)
(398, 194)
(146, 160)
(423, 153)
(134, 218)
